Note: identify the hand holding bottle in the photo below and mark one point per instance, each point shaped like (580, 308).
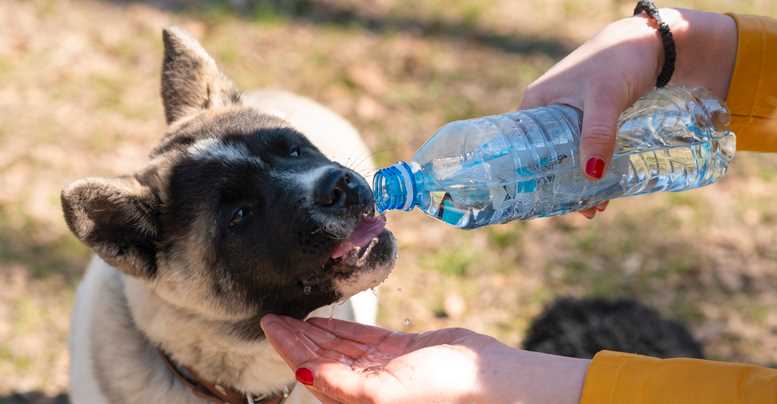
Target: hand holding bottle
(620, 64)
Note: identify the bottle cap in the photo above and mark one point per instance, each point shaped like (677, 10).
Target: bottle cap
(394, 188)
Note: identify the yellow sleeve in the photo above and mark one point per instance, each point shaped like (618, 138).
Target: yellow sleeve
(620, 378)
(752, 95)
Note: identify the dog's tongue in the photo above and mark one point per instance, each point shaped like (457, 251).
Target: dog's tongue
(366, 230)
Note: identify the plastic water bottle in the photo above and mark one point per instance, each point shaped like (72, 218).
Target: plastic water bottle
(525, 164)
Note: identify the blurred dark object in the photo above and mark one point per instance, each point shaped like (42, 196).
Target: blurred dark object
(33, 398)
(583, 327)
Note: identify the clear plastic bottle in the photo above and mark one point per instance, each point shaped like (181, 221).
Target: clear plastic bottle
(525, 164)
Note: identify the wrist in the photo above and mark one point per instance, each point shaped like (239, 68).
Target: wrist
(706, 49)
(578, 372)
(546, 378)
(650, 33)
(706, 46)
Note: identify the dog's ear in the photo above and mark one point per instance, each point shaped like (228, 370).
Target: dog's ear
(191, 80)
(116, 217)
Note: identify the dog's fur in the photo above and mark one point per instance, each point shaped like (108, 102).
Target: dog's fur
(235, 216)
(583, 327)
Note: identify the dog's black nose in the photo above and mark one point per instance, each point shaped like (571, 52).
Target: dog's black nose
(338, 188)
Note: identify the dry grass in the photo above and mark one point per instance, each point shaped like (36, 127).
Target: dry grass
(78, 95)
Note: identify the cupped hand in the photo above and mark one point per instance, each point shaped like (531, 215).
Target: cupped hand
(343, 362)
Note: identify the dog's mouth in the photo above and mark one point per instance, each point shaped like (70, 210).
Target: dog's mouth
(362, 239)
(365, 258)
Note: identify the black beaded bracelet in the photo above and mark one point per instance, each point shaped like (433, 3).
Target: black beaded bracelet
(670, 50)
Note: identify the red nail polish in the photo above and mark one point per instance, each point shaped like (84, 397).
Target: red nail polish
(304, 376)
(594, 167)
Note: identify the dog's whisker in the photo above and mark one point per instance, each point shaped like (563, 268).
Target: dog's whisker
(362, 165)
(356, 160)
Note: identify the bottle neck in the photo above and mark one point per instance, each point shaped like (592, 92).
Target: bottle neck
(394, 187)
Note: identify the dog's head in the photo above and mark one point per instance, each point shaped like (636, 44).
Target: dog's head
(237, 214)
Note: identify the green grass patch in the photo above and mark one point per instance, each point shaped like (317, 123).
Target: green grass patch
(506, 236)
(18, 363)
(22, 242)
(454, 262)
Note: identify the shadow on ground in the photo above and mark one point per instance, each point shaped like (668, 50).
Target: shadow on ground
(329, 12)
(34, 398)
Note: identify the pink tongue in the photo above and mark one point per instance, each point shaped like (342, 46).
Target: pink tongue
(365, 231)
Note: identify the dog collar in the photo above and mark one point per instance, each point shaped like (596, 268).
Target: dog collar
(218, 393)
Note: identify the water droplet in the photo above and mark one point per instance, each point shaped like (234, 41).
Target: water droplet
(307, 290)
(407, 322)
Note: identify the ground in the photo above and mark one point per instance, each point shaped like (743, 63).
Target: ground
(79, 85)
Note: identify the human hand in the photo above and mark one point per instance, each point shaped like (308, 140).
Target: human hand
(343, 362)
(620, 64)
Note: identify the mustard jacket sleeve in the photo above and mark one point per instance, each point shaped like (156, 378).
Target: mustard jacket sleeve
(620, 378)
(752, 96)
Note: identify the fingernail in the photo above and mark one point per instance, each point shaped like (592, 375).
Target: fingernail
(594, 167)
(304, 376)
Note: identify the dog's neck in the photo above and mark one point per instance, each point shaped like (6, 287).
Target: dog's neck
(207, 346)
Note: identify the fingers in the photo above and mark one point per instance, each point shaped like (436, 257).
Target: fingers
(445, 336)
(603, 106)
(327, 340)
(292, 346)
(303, 354)
(588, 213)
(305, 377)
(531, 99)
(591, 212)
(336, 381)
(364, 334)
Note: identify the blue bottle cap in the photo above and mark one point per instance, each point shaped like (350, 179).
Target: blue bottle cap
(394, 188)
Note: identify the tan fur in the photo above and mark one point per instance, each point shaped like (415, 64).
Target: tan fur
(85, 200)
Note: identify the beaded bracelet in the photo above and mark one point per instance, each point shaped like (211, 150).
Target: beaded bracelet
(670, 50)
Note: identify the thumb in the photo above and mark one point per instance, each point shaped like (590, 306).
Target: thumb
(600, 116)
(340, 382)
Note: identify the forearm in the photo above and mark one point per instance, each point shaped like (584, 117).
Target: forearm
(534, 377)
(706, 47)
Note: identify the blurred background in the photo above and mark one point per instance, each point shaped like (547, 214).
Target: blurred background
(79, 96)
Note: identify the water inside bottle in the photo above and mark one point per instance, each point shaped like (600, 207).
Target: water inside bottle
(525, 164)
(557, 186)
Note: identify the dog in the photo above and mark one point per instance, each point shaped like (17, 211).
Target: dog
(241, 210)
(582, 327)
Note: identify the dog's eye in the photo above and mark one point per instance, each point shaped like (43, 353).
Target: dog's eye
(240, 215)
(294, 152)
